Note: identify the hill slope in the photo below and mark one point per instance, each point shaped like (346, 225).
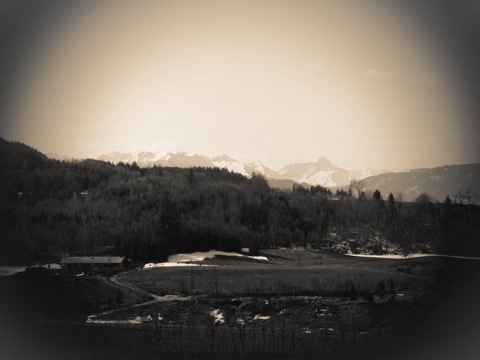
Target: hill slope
(438, 182)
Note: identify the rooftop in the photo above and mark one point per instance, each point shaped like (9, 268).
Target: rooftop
(93, 260)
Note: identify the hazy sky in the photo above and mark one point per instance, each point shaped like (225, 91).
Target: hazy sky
(381, 84)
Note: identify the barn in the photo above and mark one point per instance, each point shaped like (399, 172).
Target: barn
(92, 263)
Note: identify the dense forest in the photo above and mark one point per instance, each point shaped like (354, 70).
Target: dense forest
(51, 208)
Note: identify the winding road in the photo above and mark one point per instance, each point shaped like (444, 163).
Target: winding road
(155, 298)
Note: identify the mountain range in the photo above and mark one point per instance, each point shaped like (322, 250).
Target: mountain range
(460, 182)
(320, 172)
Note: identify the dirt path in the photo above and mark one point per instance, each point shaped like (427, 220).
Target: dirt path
(155, 298)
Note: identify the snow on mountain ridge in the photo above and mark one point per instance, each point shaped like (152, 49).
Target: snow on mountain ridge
(323, 178)
(319, 172)
(158, 156)
(232, 166)
(322, 172)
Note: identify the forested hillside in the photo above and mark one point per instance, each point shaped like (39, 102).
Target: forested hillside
(461, 182)
(50, 208)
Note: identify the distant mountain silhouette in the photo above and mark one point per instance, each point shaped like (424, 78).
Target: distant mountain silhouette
(437, 182)
(457, 181)
(184, 160)
(322, 172)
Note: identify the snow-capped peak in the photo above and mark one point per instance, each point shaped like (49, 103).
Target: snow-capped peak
(233, 166)
(319, 172)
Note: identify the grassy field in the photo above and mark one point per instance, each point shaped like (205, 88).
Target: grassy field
(287, 272)
(301, 304)
(297, 304)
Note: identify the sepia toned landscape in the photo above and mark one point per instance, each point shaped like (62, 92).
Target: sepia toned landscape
(202, 262)
(239, 180)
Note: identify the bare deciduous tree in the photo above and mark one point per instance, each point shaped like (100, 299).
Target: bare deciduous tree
(358, 186)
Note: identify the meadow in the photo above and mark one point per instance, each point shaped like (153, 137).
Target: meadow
(297, 304)
(286, 272)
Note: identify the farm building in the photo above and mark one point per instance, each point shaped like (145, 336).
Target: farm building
(89, 263)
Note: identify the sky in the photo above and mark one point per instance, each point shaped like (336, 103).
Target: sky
(379, 84)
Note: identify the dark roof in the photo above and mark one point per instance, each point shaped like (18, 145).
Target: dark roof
(93, 260)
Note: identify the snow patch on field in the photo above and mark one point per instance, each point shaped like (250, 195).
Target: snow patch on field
(261, 317)
(53, 266)
(199, 256)
(185, 259)
(169, 264)
(218, 316)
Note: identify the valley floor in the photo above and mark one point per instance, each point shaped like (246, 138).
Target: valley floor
(295, 304)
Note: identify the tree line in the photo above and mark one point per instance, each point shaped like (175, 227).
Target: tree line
(51, 208)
